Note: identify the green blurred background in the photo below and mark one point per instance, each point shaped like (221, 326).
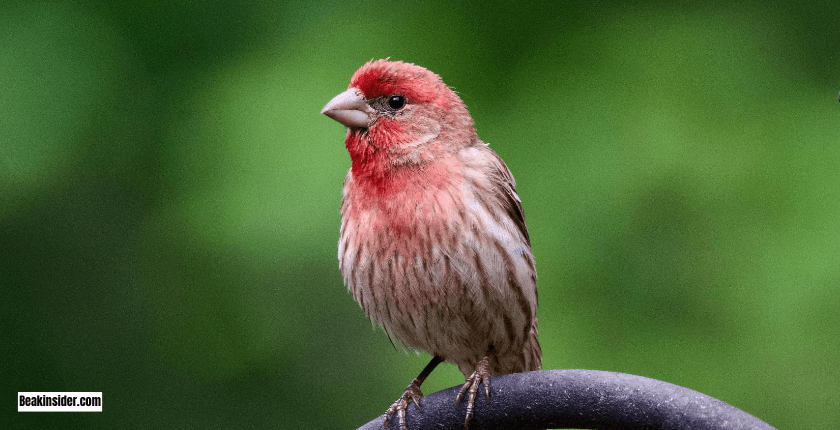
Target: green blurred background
(169, 200)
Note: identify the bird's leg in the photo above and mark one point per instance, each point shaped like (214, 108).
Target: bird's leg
(412, 392)
(481, 374)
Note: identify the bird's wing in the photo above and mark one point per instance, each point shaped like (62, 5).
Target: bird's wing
(503, 186)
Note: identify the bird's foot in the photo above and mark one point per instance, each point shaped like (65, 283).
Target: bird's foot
(412, 392)
(481, 374)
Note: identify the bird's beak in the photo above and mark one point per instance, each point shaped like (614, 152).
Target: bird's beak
(350, 109)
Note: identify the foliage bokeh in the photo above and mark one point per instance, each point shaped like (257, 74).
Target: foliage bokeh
(169, 200)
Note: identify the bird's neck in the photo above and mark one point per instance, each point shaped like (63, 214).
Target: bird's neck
(381, 177)
(402, 200)
(380, 165)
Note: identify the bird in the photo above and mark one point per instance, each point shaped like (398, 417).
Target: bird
(433, 243)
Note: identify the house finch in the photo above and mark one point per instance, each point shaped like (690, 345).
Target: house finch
(433, 241)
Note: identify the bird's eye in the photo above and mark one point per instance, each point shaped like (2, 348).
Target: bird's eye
(396, 102)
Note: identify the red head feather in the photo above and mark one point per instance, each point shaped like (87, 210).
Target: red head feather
(384, 78)
(405, 143)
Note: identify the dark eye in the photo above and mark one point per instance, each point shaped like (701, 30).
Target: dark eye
(396, 102)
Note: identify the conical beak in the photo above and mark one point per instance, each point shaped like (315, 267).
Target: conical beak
(350, 109)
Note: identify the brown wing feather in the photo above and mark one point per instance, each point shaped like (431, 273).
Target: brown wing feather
(511, 202)
(502, 186)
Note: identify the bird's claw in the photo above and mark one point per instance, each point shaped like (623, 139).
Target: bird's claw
(412, 392)
(481, 374)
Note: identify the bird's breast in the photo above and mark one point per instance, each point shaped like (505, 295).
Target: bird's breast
(393, 234)
(407, 202)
